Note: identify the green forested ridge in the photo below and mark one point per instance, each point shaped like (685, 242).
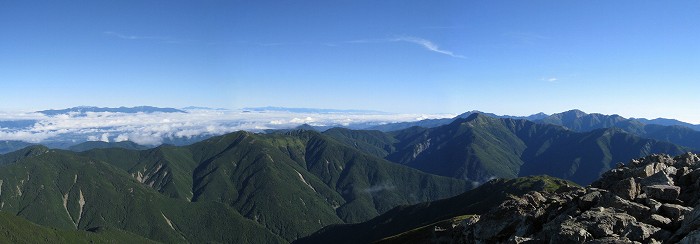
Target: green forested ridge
(100, 144)
(62, 190)
(240, 187)
(480, 147)
(15, 229)
(675, 132)
(667, 130)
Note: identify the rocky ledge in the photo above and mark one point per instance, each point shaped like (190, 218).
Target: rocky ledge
(648, 200)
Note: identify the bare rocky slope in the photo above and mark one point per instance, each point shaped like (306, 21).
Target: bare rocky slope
(648, 200)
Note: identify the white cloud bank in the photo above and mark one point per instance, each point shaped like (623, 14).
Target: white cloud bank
(155, 128)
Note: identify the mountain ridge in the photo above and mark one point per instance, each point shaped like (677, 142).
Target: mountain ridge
(480, 147)
(281, 186)
(81, 110)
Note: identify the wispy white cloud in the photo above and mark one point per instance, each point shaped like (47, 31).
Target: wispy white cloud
(377, 188)
(425, 43)
(550, 79)
(165, 39)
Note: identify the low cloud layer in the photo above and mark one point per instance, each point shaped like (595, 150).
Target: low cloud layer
(156, 128)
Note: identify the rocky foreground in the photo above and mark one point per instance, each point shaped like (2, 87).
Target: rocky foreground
(648, 200)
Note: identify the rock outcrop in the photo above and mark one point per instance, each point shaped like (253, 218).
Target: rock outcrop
(648, 200)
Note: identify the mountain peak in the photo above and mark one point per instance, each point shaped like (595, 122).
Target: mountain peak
(471, 116)
(576, 112)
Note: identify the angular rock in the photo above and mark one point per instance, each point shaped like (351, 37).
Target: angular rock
(626, 189)
(653, 204)
(659, 221)
(671, 171)
(659, 178)
(641, 172)
(640, 231)
(589, 200)
(674, 211)
(535, 199)
(611, 240)
(659, 160)
(602, 222)
(637, 210)
(686, 159)
(513, 217)
(661, 166)
(662, 192)
(691, 223)
(570, 232)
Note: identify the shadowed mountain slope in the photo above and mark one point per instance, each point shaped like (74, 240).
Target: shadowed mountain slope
(480, 147)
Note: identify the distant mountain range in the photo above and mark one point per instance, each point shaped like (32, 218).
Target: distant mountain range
(576, 120)
(85, 109)
(203, 108)
(312, 110)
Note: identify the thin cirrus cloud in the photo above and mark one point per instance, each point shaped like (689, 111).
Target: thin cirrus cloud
(137, 37)
(425, 43)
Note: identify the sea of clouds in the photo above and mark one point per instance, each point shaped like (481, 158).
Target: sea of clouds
(155, 128)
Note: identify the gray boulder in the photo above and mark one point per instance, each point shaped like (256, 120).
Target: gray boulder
(626, 189)
(632, 208)
(691, 223)
(662, 192)
(659, 178)
(659, 221)
(674, 211)
(640, 231)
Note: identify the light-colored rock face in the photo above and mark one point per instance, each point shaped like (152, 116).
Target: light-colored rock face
(655, 199)
(420, 147)
(659, 178)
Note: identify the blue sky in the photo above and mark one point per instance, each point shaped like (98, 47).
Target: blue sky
(633, 58)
